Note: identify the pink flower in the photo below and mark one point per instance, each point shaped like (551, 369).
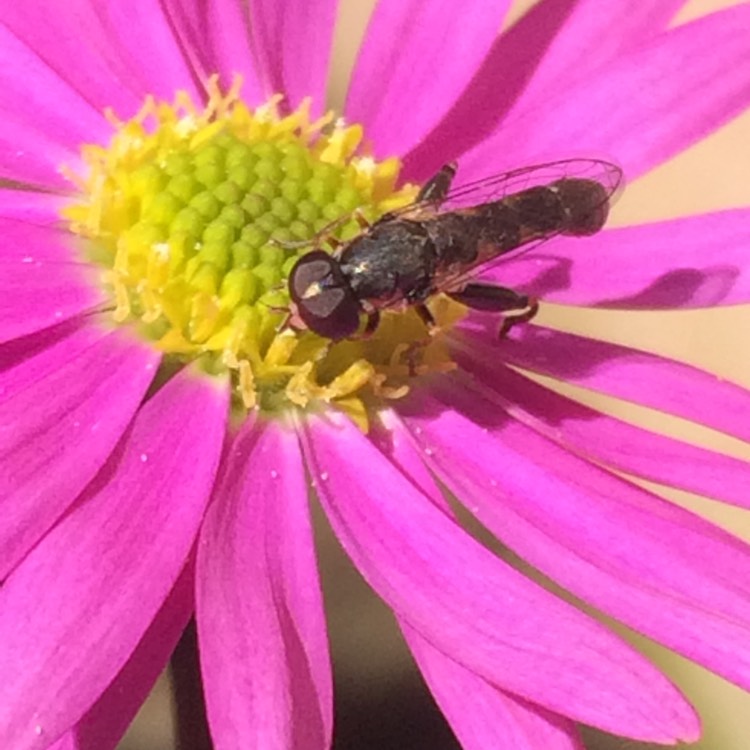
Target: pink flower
(108, 538)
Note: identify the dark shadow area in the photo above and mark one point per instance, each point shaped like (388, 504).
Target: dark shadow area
(550, 273)
(21, 349)
(192, 725)
(403, 717)
(679, 288)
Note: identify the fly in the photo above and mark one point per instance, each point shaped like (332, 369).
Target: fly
(442, 241)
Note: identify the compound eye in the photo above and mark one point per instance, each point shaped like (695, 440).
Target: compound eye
(323, 297)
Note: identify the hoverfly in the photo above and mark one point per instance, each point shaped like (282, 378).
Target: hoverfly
(439, 243)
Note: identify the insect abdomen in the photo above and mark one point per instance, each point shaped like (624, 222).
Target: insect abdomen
(471, 236)
(569, 206)
(585, 205)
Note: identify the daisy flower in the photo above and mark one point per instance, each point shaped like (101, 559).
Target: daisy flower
(160, 433)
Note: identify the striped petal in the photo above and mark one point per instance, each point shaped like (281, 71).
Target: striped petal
(633, 375)
(31, 207)
(532, 60)
(641, 109)
(216, 38)
(258, 598)
(608, 440)
(102, 574)
(78, 50)
(660, 569)
(401, 76)
(58, 431)
(35, 294)
(292, 45)
(473, 607)
(104, 724)
(481, 715)
(44, 119)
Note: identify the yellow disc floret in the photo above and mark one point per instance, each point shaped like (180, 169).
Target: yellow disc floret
(197, 214)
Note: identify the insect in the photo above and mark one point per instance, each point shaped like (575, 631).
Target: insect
(442, 241)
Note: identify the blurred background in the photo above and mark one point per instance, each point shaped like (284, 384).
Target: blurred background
(381, 701)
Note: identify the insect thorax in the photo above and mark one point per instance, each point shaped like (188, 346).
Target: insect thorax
(394, 261)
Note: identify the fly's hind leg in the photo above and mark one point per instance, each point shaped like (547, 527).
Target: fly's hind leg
(498, 299)
(437, 187)
(371, 325)
(427, 318)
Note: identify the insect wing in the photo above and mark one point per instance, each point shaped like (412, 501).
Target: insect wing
(496, 187)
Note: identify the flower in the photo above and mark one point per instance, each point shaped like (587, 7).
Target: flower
(123, 416)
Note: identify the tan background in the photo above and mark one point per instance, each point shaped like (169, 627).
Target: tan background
(381, 702)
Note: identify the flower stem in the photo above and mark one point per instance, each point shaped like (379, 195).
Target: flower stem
(190, 710)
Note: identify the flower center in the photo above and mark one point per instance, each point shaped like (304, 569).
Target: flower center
(197, 216)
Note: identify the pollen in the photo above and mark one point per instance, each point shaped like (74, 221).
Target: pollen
(195, 214)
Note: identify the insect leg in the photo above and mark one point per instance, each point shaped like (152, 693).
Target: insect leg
(373, 319)
(426, 317)
(333, 243)
(315, 239)
(336, 245)
(292, 244)
(361, 219)
(498, 299)
(437, 187)
(509, 321)
(433, 191)
(371, 324)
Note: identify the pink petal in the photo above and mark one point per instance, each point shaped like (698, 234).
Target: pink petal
(590, 32)
(658, 568)
(291, 43)
(131, 49)
(73, 43)
(44, 119)
(102, 727)
(539, 55)
(698, 261)
(475, 608)
(641, 109)
(101, 575)
(30, 155)
(28, 360)
(57, 433)
(416, 60)
(263, 647)
(31, 207)
(145, 40)
(607, 440)
(216, 38)
(35, 294)
(633, 375)
(21, 241)
(482, 716)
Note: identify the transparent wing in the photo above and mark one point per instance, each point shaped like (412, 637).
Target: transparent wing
(497, 187)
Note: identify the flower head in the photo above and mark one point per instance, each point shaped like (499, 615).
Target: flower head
(166, 164)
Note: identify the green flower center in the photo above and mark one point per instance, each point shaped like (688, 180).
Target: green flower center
(191, 212)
